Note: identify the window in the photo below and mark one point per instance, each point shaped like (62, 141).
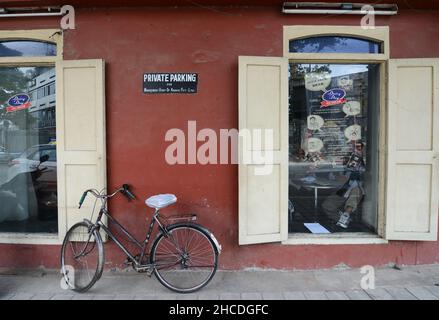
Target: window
(58, 170)
(339, 123)
(333, 143)
(28, 183)
(334, 44)
(26, 48)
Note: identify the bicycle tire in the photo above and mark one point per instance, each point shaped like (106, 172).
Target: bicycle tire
(159, 262)
(99, 255)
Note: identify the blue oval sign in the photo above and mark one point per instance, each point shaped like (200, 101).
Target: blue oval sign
(334, 94)
(18, 100)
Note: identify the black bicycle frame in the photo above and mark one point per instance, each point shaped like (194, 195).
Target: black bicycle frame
(141, 245)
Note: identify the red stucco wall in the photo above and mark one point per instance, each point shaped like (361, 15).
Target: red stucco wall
(208, 42)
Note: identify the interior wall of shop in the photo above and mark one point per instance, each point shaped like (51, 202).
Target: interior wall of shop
(206, 41)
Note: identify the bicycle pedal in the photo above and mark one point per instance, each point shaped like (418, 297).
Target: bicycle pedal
(149, 272)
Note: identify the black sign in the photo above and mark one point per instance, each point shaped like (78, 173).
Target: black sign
(170, 82)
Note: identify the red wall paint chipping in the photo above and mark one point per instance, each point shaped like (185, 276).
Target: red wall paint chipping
(208, 42)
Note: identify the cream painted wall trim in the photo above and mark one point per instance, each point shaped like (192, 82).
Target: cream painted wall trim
(413, 150)
(49, 35)
(380, 34)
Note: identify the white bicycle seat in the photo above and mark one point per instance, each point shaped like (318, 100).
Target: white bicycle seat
(161, 200)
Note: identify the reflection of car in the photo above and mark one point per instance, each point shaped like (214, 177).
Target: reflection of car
(41, 177)
(5, 156)
(29, 160)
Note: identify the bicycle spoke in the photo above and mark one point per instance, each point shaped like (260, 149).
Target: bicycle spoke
(81, 257)
(194, 264)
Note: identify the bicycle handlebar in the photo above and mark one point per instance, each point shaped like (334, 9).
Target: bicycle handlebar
(82, 199)
(124, 190)
(127, 192)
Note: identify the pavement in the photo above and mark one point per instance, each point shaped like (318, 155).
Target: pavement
(390, 283)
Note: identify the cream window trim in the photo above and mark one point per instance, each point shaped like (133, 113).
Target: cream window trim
(378, 34)
(49, 35)
(358, 238)
(345, 238)
(30, 238)
(299, 32)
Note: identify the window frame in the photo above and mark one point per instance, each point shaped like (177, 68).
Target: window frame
(380, 34)
(377, 34)
(54, 36)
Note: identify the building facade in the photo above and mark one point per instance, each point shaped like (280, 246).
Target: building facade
(352, 114)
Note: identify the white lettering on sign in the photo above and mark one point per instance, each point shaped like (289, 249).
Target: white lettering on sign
(170, 77)
(156, 77)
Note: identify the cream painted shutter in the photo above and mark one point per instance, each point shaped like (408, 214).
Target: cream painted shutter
(263, 104)
(80, 117)
(413, 150)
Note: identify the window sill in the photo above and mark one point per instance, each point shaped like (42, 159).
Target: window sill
(29, 238)
(330, 239)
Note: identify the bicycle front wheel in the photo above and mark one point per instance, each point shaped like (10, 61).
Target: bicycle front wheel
(82, 257)
(185, 259)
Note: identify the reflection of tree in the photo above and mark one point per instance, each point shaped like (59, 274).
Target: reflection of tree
(317, 44)
(298, 71)
(8, 52)
(14, 81)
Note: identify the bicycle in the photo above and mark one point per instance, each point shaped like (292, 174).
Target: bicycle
(183, 256)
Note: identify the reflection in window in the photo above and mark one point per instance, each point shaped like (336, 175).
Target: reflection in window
(334, 44)
(26, 48)
(333, 136)
(28, 184)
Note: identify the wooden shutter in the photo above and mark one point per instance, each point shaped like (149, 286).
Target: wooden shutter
(263, 104)
(80, 137)
(413, 149)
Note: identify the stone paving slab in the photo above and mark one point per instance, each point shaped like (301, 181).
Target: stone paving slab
(336, 295)
(411, 282)
(294, 296)
(379, 294)
(401, 294)
(357, 295)
(315, 295)
(434, 290)
(421, 293)
(272, 296)
(251, 296)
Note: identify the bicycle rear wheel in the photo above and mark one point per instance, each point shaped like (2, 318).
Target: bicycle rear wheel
(185, 259)
(82, 257)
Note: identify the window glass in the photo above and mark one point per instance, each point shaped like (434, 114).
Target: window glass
(333, 138)
(28, 188)
(50, 153)
(26, 48)
(334, 44)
